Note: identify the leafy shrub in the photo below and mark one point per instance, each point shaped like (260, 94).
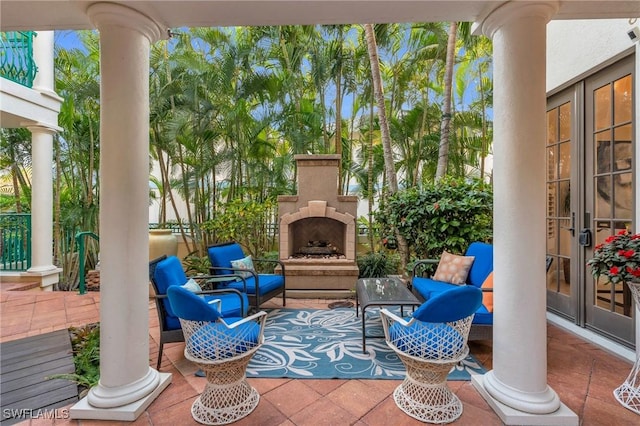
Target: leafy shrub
(245, 222)
(85, 343)
(446, 215)
(377, 264)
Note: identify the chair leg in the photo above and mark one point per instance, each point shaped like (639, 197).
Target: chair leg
(424, 393)
(159, 355)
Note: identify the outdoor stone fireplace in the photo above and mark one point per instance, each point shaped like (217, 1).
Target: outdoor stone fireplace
(318, 232)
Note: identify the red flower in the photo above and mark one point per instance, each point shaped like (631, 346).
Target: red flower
(634, 272)
(614, 270)
(628, 253)
(610, 239)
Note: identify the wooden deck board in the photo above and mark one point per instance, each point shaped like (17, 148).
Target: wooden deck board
(25, 365)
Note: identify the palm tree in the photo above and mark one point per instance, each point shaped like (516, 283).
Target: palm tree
(443, 152)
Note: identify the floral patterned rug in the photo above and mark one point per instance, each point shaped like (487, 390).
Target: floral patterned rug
(327, 344)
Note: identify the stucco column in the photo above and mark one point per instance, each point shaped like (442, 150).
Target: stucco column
(125, 375)
(42, 170)
(519, 376)
(42, 199)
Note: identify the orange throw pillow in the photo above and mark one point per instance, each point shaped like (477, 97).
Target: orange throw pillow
(487, 296)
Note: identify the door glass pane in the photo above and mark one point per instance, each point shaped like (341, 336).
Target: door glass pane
(565, 237)
(559, 238)
(602, 107)
(623, 195)
(564, 198)
(551, 164)
(623, 148)
(564, 162)
(622, 100)
(552, 241)
(603, 196)
(603, 152)
(564, 279)
(552, 126)
(565, 122)
(552, 276)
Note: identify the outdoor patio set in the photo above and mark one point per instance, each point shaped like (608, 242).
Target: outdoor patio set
(218, 317)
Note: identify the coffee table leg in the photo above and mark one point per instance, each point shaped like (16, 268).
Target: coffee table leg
(364, 335)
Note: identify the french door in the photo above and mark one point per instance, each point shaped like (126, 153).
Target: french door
(590, 196)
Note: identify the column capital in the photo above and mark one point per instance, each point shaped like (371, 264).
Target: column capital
(116, 15)
(42, 128)
(514, 10)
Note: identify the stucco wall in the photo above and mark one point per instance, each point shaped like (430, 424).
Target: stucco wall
(576, 47)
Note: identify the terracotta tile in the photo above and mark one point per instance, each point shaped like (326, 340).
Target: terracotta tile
(323, 413)
(292, 397)
(388, 413)
(324, 386)
(357, 397)
(264, 414)
(267, 384)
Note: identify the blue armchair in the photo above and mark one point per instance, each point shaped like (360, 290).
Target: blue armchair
(229, 258)
(479, 276)
(222, 348)
(430, 344)
(165, 272)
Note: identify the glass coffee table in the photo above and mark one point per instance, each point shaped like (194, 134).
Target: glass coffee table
(382, 292)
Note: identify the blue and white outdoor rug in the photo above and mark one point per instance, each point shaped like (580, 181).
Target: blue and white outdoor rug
(327, 344)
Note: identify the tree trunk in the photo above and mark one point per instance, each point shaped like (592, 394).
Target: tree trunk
(443, 152)
(378, 91)
(390, 169)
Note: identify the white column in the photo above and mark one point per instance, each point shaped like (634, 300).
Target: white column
(42, 170)
(519, 377)
(42, 199)
(43, 44)
(127, 383)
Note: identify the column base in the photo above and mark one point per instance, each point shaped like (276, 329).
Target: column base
(563, 416)
(48, 276)
(130, 412)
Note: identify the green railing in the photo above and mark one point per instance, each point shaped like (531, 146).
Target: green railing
(80, 238)
(15, 241)
(16, 57)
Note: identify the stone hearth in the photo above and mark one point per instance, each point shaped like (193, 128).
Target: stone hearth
(318, 216)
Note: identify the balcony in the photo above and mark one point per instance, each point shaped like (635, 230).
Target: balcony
(16, 57)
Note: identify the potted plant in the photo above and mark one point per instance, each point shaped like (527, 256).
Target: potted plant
(618, 259)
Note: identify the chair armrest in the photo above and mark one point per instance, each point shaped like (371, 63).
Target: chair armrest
(225, 277)
(217, 304)
(279, 262)
(389, 318)
(422, 262)
(260, 316)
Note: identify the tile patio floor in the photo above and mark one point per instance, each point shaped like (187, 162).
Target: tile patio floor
(581, 373)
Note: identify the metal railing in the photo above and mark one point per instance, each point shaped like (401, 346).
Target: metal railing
(80, 239)
(15, 241)
(16, 57)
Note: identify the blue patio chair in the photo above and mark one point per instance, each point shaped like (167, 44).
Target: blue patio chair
(430, 344)
(479, 275)
(165, 272)
(229, 258)
(222, 349)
